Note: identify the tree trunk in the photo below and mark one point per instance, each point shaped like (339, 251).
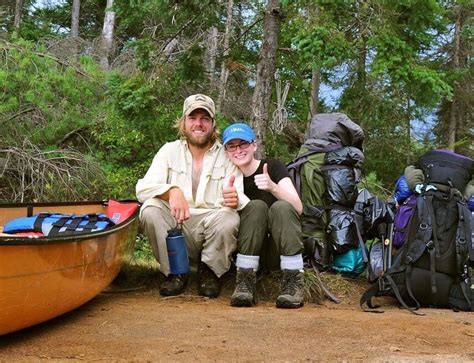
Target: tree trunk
(453, 114)
(107, 39)
(361, 66)
(408, 126)
(363, 106)
(76, 9)
(314, 99)
(18, 14)
(316, 72)
(265, 74)
(211, 54)
(224, 69)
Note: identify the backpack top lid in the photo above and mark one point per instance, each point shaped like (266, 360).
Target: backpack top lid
(335, 128)
(454, 154)
(447, 168)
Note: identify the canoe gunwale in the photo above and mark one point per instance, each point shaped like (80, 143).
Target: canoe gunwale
(28, 241)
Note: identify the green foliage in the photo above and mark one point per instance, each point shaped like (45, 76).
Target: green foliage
(322, 47)
(144, 50)
(142, 113)
(397, 59)
(160, 21)
(132, 97)
(190, 66)
(126, 121)
(44, 99)
(390, 59)
(376, 187)
(44, 104)
(276, 148)
(138, 118)
(55, 19)
(143, 251)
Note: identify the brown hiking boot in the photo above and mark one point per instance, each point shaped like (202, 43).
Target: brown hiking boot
(245, 288)
(291, 294)
(173, 285)
(209, 284)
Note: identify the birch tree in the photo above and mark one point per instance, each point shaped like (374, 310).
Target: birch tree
(107, 38)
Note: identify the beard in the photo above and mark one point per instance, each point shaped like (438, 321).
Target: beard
(200, 141)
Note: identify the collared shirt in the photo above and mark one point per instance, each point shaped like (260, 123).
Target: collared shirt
(172, 167)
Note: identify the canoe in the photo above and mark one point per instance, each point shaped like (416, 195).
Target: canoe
(41, 278)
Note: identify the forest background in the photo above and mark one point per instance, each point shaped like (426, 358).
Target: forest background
(90, 89)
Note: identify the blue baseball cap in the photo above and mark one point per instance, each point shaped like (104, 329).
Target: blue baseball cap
(238, 131)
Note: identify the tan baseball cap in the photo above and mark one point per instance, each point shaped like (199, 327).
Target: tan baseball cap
(194, 102)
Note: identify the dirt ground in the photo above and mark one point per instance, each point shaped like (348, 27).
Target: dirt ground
(140, 325)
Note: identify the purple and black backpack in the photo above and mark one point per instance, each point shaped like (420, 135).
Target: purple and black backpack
(434, 240)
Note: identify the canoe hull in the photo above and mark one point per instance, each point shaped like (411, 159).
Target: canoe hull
(41, 281)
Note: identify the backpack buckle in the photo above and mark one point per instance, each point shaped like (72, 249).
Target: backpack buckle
(468, 280)
(430, 245)
(382, 285)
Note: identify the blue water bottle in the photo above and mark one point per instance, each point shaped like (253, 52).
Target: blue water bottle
(177, 251)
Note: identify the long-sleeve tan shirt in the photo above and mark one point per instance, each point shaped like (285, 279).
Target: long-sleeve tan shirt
(172, 167)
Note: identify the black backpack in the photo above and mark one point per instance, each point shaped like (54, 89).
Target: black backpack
(445, 167)
(432, 269)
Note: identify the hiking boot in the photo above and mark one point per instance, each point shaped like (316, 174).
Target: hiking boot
(173, 285)
(245, 288)
(209, 284)
(291, 294)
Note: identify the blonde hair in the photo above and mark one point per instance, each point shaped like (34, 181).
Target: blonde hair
(179, 125)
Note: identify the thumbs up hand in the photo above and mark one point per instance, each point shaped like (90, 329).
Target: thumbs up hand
(263, 181)
(231, 181)
(231, 198)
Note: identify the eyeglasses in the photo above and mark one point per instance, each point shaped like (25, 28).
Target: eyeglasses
(242, 145)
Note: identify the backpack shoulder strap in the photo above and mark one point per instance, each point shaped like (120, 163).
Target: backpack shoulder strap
(295, 165)
(427, 234)
(381, 287)
(464, 233)
(465, 250)
(313, 150)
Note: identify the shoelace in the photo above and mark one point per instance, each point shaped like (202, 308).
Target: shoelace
(289, 284)
(244, 282)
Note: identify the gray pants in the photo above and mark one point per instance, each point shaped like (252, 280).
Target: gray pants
(210, 235)
(280, 221)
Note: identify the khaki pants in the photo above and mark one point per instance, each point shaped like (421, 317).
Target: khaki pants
(270, 232)
(210, 235)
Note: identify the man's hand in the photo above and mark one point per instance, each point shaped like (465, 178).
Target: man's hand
(231, 198)
(178, 205)
(263, 181)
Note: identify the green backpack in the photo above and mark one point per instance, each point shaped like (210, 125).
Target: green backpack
(310, 185)
(326, 133)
